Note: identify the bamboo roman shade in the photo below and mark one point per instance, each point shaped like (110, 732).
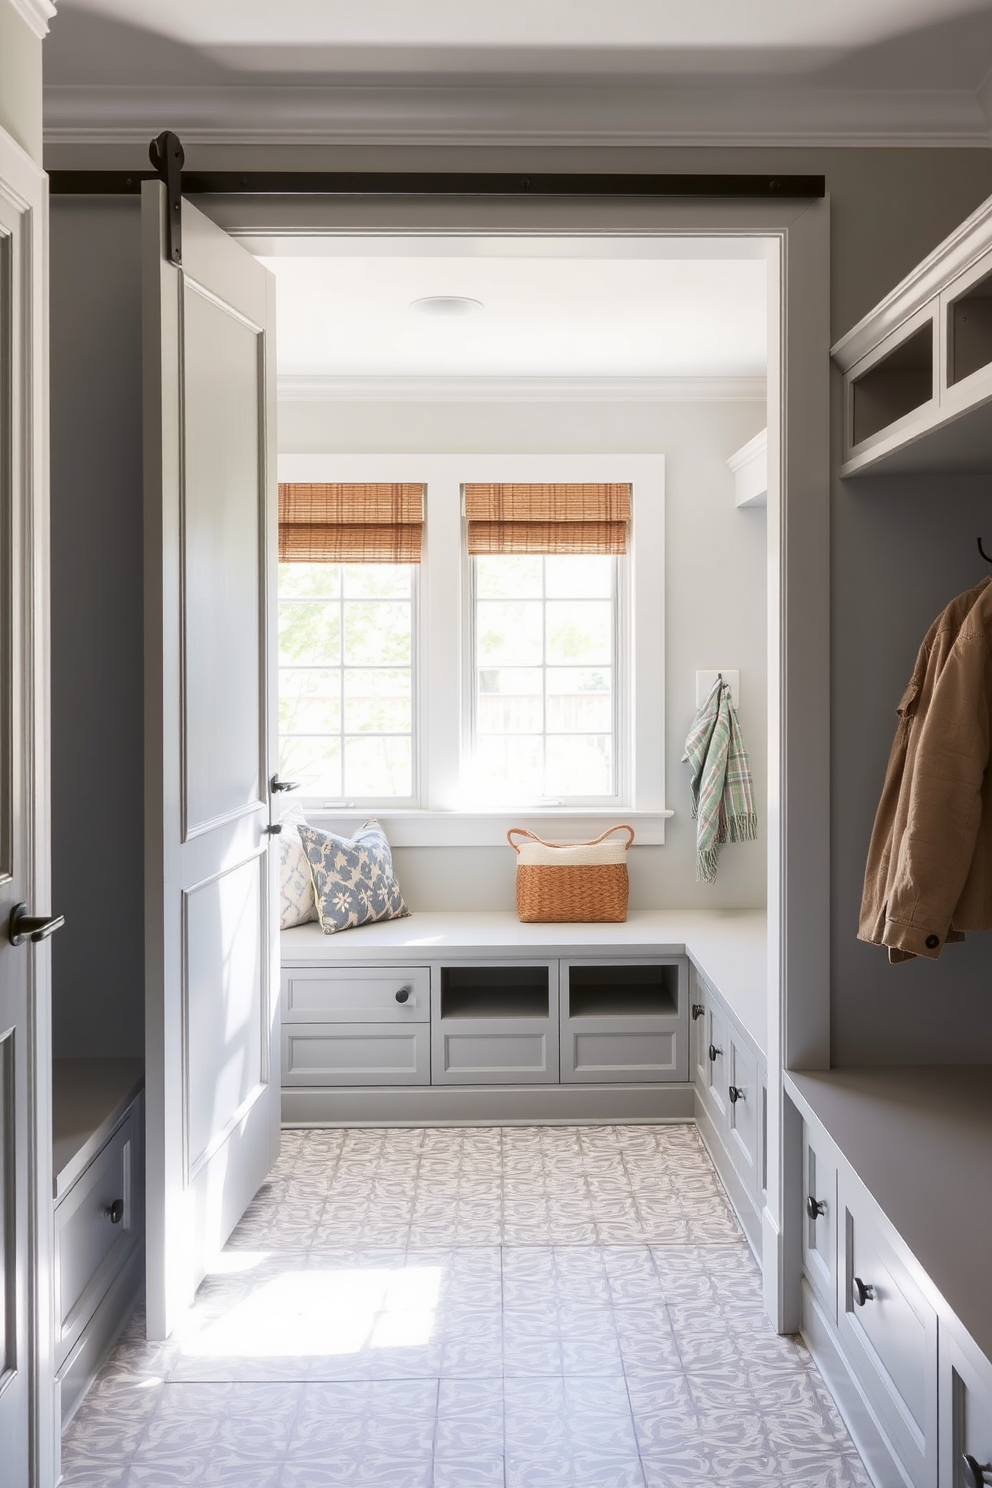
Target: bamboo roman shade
(347, 522)
(569, 517)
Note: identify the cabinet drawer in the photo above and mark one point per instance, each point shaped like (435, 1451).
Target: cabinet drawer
(97, 1223)
(496, 1051)
(744, 1110)
(356, 995)
(355, 1054)
(620, 1050)
(890, 1336)
(819, 1198)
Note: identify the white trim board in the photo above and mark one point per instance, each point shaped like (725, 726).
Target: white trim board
(409, 111)
(317, 388)
(749, 467)
(37, 14)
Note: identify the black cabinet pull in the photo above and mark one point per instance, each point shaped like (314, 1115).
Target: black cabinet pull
(815, 1207)
(714, 1052)
(736, 1094)
(116, 1211)
(863, 1291)
(974, 1472)
(698, 1010)
(403, 995)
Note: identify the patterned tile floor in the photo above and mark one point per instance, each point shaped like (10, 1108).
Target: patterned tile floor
(485, 1308)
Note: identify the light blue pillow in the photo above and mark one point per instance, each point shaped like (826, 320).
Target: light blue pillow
(352, 877)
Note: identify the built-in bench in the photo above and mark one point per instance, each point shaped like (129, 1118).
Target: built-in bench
(474, 1017)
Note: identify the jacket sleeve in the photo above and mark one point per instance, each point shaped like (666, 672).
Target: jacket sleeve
(945, 803)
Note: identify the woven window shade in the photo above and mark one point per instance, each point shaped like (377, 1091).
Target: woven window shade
(552, 518)
(337, 522)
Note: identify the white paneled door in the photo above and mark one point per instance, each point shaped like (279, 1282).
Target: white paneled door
(212, 1066)
(27, 1427)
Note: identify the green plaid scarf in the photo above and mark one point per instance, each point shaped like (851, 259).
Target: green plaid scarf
(720, 787)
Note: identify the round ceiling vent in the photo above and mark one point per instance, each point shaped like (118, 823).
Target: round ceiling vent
(447, 307)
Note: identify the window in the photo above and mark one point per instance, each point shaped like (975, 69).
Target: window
(478, 678)
(546, 564)
(349, 557)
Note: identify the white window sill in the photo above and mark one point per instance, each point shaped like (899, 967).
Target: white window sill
(489, 828)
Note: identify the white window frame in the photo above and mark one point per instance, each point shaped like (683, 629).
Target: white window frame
(444, 817)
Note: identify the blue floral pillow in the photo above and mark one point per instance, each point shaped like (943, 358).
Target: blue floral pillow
(352, 877)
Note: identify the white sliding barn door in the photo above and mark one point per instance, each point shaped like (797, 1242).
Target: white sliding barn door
(27, 1425)
(212, 1067)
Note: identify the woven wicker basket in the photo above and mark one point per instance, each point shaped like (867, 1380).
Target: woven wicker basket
(559, 882)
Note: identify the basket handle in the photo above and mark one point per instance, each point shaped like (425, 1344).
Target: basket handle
(523, 832)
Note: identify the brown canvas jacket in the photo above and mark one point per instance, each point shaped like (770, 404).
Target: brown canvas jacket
(929, 873)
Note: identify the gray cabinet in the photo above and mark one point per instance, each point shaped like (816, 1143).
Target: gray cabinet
(731, 1085)
(624, 1020)
(888, 1331)
(495, 1023)
(355, 1026)
(99, 1214)
(820, 1216)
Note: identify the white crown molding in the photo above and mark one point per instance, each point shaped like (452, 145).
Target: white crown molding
(518, 114)
(37, 13)
(297, 388)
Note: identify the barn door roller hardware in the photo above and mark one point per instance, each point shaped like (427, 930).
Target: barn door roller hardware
(168, 157)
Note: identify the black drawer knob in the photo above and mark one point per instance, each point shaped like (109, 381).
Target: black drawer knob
(815, 1207)
(116, 1211)
(974, 1472)
(736, 1094)
(697, 1010)
(403, 995)
(863, 1291)
(714, 1053)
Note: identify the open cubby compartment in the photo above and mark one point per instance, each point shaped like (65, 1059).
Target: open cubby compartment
(507, 991)
(969, 330)
(622, 989)
(897, 383)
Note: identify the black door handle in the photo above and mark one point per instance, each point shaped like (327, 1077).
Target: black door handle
(736, 1094)
(974, 1471)
(115, 1213)
(34, 927)
(714, 1052)
(275, 784)
(815, 1207)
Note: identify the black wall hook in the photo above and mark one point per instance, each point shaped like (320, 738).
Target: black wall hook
(983, 552)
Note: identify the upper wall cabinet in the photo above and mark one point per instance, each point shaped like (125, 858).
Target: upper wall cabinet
(918, 368)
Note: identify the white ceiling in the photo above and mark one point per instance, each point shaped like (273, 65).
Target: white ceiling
(720, 35)
(545, 314)
(666, 71)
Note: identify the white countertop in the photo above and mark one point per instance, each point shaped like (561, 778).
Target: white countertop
(727, 946)
(920, 1139)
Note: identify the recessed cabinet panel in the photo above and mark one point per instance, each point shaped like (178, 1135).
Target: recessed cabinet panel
(356, 995)
(355, 1054)
(495, 1053)
(889, 1332)
(819, 1199)
(717, 1059)
(744, 1098)
(606, 1055)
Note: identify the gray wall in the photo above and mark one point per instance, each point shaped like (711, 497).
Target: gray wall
(97, 760)
(20, 80)
(714, 611)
